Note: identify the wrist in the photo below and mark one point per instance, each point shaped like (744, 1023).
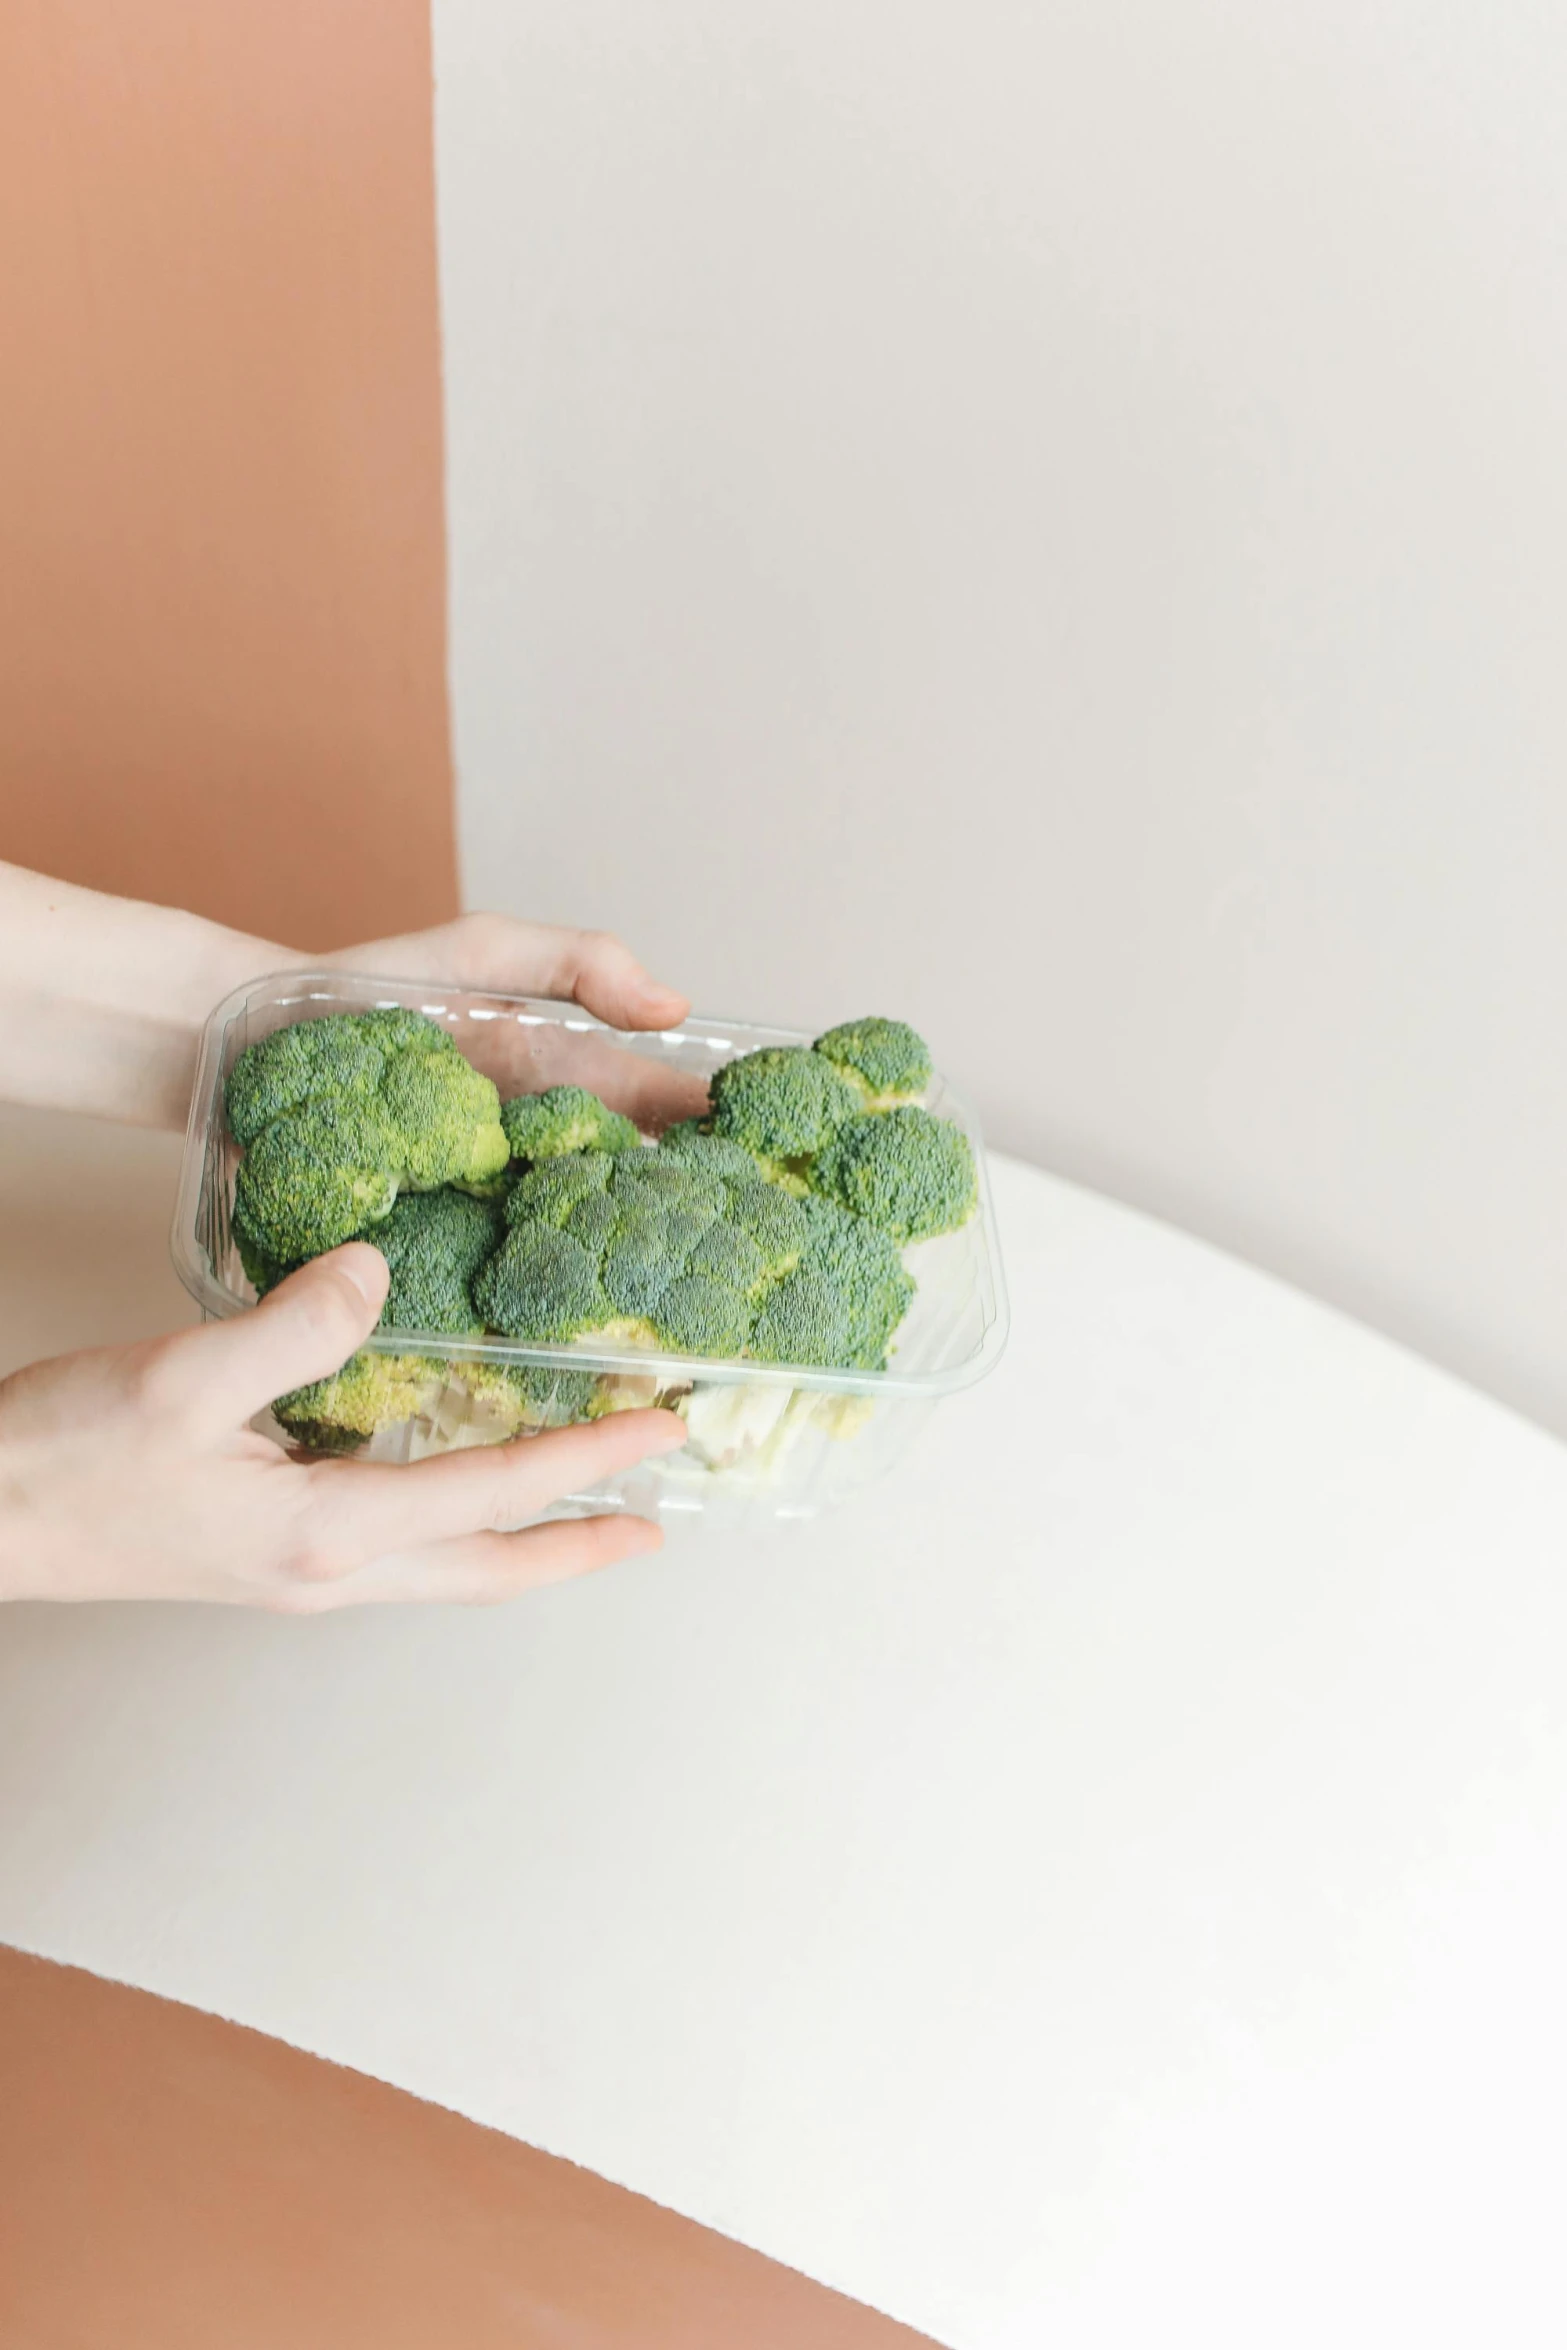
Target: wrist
(102, 999)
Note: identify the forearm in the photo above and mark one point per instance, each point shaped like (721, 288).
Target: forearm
(102, 999)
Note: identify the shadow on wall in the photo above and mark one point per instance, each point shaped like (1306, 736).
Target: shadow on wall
(221, 571)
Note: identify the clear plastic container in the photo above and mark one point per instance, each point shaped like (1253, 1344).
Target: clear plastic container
(765, 1445)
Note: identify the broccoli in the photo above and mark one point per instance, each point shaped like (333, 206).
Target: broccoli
(648, 1250)
(317, 1177)
(772, 1218)
(564, 1119)
(434, 1242)
(542, 1286)
(370, 1392)
(548, 1193)
(651, 1179)
(693, 1141)
(725, 1253)
(802, 1320)
(530, 1395)
(263, 1270)
(772, 1229)
(695, 1316)
(862, 1265)
(594, 1220)
(783, 1104)
(447, 1117)
(315, 1060)
(905, 1171)
(337, 1115)
(885, 1061)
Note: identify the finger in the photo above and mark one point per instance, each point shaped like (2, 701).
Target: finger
(588, 967)
(480, 1570)
(304, 1329)
(359, 1510)
(651, 1092)
(594, 969)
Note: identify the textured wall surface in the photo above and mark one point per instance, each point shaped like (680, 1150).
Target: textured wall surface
(1051, 521)
(221, 590)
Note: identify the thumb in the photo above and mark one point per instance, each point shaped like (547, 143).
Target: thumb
(304, 1329)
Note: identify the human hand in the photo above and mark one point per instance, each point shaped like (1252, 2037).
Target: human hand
(102, 999)
(129, 1473)
(494, 953)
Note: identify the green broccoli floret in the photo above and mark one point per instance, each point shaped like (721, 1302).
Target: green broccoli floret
(782, 1104)
(862, 1266)
(542, 1286)
(262, 1269)
(317, 1177)
(338, 1114)
(772, 1218)
(563, 1119)
(714, 1153)
(548, 1193)
(314, 1060)
(803, 1320)
(647, 1253)
(724, 1253)
(447, 1116)
(907, 1172)
(695, 1316)
(434, 1242)
(885, 1061)
(594, 1220)
(652, 1179)
(370, 1392)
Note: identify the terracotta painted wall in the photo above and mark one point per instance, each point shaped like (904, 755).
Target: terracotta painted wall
(222, 656)
(168, 2179)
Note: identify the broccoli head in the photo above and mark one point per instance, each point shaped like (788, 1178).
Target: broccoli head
(434, 1242)
(564, 1119)
(594, 1220)
(863, 1267)
(542, 1287)
(771, 1217)
(910, 1174)
(371, 1391)
(314, 1060)
(802, 1320)
(696, 1316)
(447, 1117)
(725, 1253)
(782, 1104)
(884, 1061)
(317, 1177)
(714, 1153)
(549, 1192)
(654, 1179)
(647, 1250)
(337, 1115)
(262, 1269)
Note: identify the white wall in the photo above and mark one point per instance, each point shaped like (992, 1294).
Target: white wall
(1048, 520)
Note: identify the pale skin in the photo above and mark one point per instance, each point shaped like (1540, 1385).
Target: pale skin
(130, 1472)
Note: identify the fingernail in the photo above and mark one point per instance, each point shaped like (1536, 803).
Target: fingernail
(668, 1439)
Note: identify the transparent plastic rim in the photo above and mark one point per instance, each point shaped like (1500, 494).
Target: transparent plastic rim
(217, 1301)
